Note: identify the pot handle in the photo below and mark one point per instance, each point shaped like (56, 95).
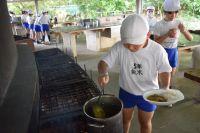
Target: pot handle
(95, 125)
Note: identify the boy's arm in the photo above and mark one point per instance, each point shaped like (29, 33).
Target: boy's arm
(103, 78)
(160, 39)
(165, 79)
(185, 32)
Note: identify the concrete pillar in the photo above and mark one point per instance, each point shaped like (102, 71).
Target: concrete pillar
(138, 6)
(36, 7)
(8, 52)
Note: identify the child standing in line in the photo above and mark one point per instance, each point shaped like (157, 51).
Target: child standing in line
(167, 32)
(25, 22)
(37, 30)
(151, 19)
(30, 20)
(45, 21)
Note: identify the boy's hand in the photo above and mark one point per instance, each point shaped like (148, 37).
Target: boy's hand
(172, 33)
(103, 80)
(181, 27)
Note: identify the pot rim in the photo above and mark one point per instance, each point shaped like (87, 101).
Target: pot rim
(102, 119)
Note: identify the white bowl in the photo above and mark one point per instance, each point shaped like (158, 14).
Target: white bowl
(172, 96)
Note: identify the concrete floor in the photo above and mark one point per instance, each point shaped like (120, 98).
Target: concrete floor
(183, 117)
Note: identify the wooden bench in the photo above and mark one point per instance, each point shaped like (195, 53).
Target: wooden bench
(187, 48)
(193, 75)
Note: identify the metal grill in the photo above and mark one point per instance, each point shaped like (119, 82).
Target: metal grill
(54, 62)
(69, 74)
(56, 100)
(64, 88)
(44, 62)
(65, 124)
(48, 53)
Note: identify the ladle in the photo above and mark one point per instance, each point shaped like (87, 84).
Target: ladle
(102, 93)
(97, 108)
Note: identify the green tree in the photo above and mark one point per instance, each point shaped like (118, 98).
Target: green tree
(95, 8)
(191, 7)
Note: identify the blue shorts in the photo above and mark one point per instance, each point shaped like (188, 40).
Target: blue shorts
(130, 101)
(31, 26)
(45, 27)
(37, 28)
(172, 56)
(25, 25)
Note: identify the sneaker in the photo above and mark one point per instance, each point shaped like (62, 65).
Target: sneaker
(38, 42)
(170, 105)
(42, 42)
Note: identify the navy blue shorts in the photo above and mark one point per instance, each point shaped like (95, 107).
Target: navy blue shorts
(37, 28)
(25, 25)
(31, 26)
(130, 101)
(172, 56)
(45, 27)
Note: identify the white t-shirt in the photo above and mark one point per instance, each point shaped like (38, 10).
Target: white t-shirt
(37, 21)
(151, 21)
(24, 18)
(44, 19)
(162, 27)
(139, 70)
(30, 20)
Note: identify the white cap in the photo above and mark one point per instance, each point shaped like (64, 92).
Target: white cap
(44, 11)
(30, 12)
(150, 8)
(26, 11)
(172, 5)
(134, 30)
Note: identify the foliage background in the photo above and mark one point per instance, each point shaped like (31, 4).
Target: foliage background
(96, 8)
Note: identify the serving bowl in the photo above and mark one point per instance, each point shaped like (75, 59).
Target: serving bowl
(171, 95)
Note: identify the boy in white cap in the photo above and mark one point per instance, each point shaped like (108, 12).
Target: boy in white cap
(167, 32)
(25, 22)
(45, 21)
(30, 20)
(140, 60)
(37, 30)
(151, 19)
